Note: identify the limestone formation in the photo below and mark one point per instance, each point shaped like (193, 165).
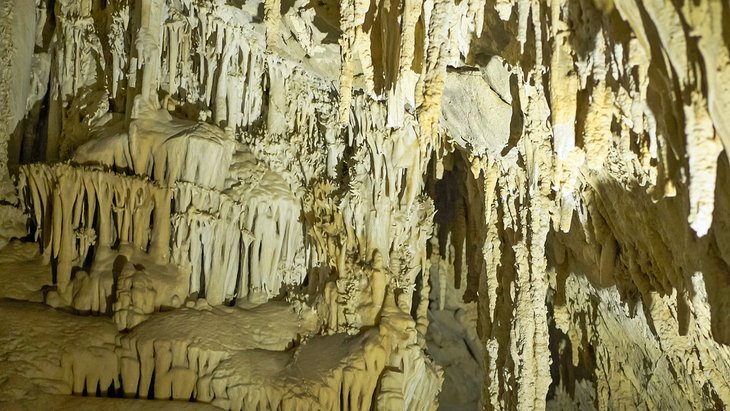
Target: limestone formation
(389, 205)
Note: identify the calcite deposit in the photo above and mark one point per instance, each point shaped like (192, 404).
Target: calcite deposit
(354, 205)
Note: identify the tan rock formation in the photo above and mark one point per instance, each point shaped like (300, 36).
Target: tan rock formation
(510, 204)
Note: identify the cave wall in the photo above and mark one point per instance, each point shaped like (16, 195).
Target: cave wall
(605, 267)
(587, 214)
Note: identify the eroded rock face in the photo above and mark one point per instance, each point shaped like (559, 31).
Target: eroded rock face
(529, 192)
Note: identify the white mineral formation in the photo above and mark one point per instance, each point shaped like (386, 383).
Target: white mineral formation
(356, 205)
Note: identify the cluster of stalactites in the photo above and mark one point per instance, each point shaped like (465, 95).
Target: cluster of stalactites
(232, 75)
(403, 50)
(237, 249)
(397, 137)
(373, 235)
(231, 248)
(75, 208)
(229, 72)
(234, 82)
(630, 90)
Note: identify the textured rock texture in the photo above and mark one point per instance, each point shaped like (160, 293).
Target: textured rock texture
(498, 204)
(604, 263)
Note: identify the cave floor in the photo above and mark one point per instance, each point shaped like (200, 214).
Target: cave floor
(197, 352)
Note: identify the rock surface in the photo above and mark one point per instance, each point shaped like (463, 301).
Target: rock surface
(509, 204)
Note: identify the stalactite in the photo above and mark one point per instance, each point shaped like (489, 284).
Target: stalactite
(206, 225)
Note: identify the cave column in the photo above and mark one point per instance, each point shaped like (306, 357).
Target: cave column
(160, 244)
(146, 55)
(513, 312)
(63, 229)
